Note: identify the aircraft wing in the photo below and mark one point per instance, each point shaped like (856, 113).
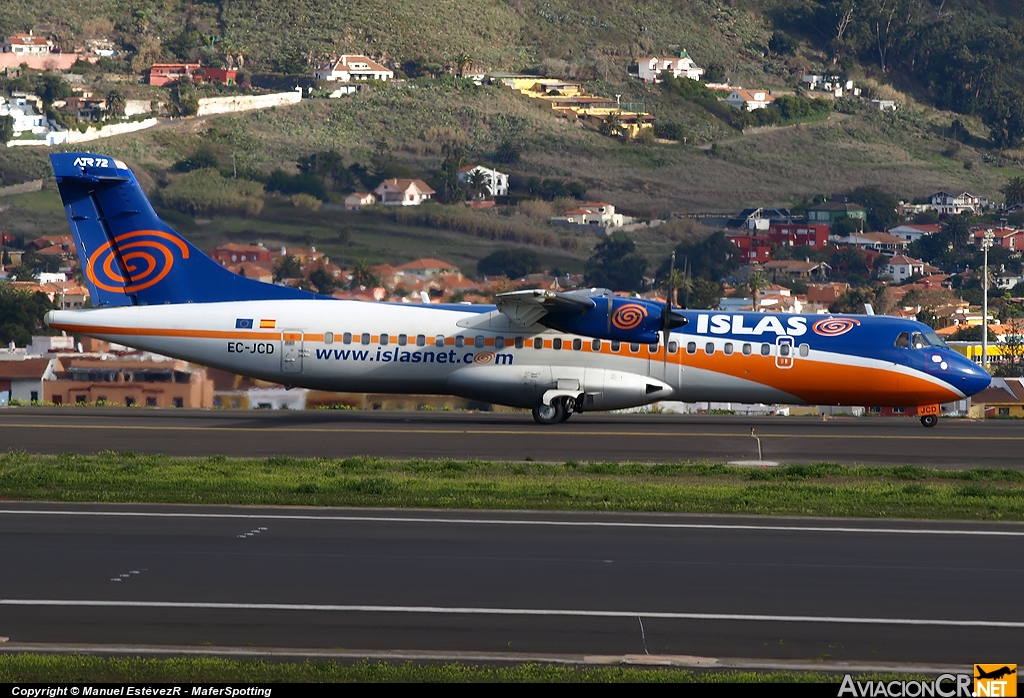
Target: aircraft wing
(525, 308)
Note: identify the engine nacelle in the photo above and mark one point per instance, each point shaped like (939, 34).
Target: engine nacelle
(633, 320)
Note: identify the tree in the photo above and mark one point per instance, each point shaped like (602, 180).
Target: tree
(6, 128)
(454, 160)
(611, 125)
(479, 184)
(288, 267)
(514, 264)
(1011, 351)
(363, 275)
(755, 282)
(845, 225)
(21, 315)
(706, 294)
(55, 88)
(958, 231)
(880, 205)
(1014, 191)
(852, 301)
(116, 104)
(712, 258)
(616, 265)
(322, 281)
(508, 153)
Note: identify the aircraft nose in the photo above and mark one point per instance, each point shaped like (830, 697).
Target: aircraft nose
(971, 378)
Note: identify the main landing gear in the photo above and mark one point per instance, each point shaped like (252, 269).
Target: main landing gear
(558, 411)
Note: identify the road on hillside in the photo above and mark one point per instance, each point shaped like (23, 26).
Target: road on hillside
(955, 443)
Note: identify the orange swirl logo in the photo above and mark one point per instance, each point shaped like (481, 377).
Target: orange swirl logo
(833, 327)
(484, 357)
(629, 316)
(145, 258)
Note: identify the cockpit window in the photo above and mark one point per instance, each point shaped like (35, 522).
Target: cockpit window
(903, 340)
(917, 341)
(935, 340)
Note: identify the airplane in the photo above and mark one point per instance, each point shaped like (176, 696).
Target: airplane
(556, 353)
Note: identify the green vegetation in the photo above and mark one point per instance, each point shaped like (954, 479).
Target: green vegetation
(21, 315)
(207, 192)
(35, 668)
(809, 490)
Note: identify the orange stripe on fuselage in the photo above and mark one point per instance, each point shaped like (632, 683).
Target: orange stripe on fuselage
(813, 382)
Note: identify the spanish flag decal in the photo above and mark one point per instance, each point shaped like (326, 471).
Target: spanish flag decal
(268, 324)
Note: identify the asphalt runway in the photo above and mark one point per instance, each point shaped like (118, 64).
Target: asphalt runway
(955, 443)
(502, 582)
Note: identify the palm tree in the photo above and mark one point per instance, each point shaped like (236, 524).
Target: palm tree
(116, 104)
(1014, 191)
(480, 183)
(364, 276)
(755, 283)
(612, 124)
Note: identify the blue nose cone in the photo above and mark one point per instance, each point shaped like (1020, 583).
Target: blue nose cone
(969, 377)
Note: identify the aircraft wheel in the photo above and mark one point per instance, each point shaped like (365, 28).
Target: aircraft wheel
(549, 414)
(567, 412)
(930, 420)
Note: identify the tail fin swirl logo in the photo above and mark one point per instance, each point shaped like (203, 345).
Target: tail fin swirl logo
(146, 257)
(629, 316)
(834, 326)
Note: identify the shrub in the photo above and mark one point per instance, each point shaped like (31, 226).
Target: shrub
(305, 201)
(207, 192)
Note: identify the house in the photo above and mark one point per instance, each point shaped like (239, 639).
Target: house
(23, 379)
(650, 69)
(232, 253)
(429, 267)
(826, 293)
(225, 76)
(901, 268)
(596, 213)
(356, 200)
(135, 379)
(1003, 398)
(496, 182)
(799, 234)
(1007, 238)
(912, 232)
(349, 68)
(748, 99)
(165, 73)
(944, 202)
(758, 218)
(831, 211)
(753, 248)
(880, 242)
(26, 118)
(403, 192)
(27, 45)
(104, 48)
(884, 104)
(796, 268)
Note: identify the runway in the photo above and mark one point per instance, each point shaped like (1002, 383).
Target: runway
(503, 582)
(955, 443)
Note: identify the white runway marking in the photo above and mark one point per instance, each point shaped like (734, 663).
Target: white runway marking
(517, 522)
(471, 611)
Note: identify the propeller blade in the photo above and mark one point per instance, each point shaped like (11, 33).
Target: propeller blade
(666, 314)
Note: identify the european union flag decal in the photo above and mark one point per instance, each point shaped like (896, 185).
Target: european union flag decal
(243, 324)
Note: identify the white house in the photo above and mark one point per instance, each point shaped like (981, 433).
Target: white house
(912, 232)
(943, 202)
(496, 182)
(348, 68)
(356, 200)
(884, 104)
(595, 213)
(25, 116)
(650, 69)
(27, 45)
(22, 379)
(748, 99)
(403, 192)
(901, 268)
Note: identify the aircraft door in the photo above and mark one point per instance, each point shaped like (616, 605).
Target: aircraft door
(784, 352)
(292, 351)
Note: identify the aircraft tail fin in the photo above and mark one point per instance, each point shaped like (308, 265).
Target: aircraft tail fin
(129, 256)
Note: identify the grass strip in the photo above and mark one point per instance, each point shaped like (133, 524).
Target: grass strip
(42, 668)
(824, 489)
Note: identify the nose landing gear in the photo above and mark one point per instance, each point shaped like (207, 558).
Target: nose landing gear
(929, 415)
(930, 420)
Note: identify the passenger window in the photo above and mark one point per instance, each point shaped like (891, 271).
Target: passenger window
(691, 347)
(616, 346)
(402, 340)
(439, 340)
(384, 340)
(556, 343)
(653, 348)
(747, 350)
(709, 348)
(766, 350)
(538, 342)
(365, 338)
(347, 338)
(634, 348)
(328, 338)
(903, 340)
(673, 347)
(577, 345)
(499, 342)
(519, 342)
(784, 349)
(595, 345)
(421, 341)
(805, 349)
(478, 341)
(728, 348)
(459, 340)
